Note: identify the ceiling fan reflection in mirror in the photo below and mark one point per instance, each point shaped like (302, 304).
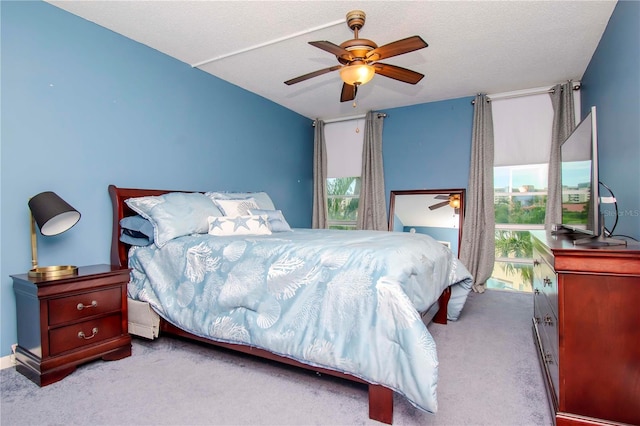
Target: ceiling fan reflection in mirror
(453, 200)
(359, 59)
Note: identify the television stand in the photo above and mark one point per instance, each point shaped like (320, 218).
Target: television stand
(559, 229)
(600, 240)
(591, 241)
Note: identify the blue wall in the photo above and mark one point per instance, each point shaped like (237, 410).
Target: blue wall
(612, 83)
(83, 107)
(449, 235)
(428, 146)
(398, 226)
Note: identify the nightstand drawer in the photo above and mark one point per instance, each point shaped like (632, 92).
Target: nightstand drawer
(85, 333)
(66, 309)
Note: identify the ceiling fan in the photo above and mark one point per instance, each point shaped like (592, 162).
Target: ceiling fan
(359, 59)
(453, 200)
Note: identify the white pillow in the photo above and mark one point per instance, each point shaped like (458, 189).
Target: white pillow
(263, 200)
(236, 207)
(239, 225)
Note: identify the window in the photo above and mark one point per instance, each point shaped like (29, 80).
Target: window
(522, 142)
(520, 197)
(344, 165)
(343, 195)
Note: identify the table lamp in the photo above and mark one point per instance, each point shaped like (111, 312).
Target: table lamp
(53, 216)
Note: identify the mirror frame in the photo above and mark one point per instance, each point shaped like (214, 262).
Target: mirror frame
(459, 191)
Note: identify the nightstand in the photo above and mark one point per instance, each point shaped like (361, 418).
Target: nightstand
(67, 321)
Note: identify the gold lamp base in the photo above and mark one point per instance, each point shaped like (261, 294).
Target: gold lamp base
(53, 271)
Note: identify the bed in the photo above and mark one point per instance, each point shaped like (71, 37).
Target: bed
(342, 303)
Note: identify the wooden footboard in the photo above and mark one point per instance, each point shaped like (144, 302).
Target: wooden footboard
(443, 302)
(380, 397)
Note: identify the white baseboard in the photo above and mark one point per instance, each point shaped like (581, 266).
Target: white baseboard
(7, 362)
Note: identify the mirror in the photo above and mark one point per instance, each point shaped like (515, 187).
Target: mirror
(435, 212)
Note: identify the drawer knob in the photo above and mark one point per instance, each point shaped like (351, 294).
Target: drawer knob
(81, 306)
(81, 334)
(548, 320)
(536, 291)
(548, 358)
(546, 281)
(536, 262)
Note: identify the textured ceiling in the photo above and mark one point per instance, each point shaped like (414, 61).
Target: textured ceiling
(474, 46)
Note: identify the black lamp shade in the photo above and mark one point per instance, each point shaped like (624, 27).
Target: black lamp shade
(52, 214)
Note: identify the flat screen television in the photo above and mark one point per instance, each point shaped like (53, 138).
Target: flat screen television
(580, 185)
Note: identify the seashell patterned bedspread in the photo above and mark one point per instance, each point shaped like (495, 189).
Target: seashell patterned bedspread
(344, 300)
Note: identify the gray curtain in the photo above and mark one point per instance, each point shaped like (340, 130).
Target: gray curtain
(477, 251)
(563, 125)
(319, 218)
(372, 209)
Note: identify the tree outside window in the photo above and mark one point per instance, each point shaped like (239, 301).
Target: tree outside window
(343, 196)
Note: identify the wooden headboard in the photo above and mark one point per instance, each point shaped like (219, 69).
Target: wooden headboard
(120, 250)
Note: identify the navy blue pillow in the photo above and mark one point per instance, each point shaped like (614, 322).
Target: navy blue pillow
(136, 231)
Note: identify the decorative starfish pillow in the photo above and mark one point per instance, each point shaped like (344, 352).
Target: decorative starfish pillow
(239, 225)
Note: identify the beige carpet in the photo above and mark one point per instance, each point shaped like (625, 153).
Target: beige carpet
(488, 375)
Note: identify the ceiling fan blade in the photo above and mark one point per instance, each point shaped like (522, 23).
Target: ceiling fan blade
(348, 92)
(333, 48)
(441, 197)
(311, 75)
(396, 48)
(398, 73)
(437, 206)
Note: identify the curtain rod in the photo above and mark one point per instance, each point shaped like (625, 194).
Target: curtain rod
(519, 94)
(351, 117)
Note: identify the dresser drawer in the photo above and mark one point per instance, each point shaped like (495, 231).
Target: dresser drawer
(84, 333)
(550, 287)
(545, 279)
(80, 306)
(551, 361)
(546, 323)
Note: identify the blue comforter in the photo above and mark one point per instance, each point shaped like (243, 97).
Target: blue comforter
(344, 300)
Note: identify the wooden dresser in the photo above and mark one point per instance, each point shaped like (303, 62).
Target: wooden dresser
(586, 327)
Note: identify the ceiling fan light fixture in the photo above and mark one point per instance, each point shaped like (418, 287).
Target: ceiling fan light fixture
(454, 202)
(357, 74)
(355, 57)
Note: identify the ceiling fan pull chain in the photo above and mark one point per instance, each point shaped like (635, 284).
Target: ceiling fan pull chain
(355, 93)
(357, 125)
